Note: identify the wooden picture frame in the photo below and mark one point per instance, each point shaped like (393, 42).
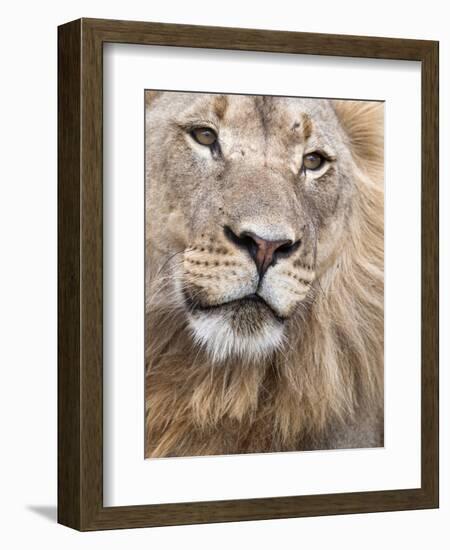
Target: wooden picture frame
(80, 271)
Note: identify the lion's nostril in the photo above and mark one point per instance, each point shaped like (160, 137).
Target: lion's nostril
(287, 247)
(264, 252)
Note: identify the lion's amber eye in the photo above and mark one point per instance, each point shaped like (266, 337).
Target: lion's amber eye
(313, 161)
(204, 136)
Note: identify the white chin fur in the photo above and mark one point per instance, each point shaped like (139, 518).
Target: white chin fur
(215, 333)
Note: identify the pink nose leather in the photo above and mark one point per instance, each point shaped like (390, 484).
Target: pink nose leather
(265, 251)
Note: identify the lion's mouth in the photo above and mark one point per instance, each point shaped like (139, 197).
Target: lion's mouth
(250, 301)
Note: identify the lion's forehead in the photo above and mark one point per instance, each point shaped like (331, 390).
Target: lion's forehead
(271, 109)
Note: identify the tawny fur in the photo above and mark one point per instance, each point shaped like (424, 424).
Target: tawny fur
(324, 387)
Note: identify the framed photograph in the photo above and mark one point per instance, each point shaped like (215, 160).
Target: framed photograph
(248, 274)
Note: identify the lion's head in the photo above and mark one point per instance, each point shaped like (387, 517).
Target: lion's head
(257, 211)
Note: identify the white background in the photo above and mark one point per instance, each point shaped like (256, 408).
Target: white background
(128, 479)
(28, 275)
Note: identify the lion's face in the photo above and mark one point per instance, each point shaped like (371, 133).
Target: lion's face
(247, 203)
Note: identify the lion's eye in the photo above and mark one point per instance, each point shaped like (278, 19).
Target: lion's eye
(313, 161)
(204, 136)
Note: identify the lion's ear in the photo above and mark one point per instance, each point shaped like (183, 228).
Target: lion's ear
(363, 122)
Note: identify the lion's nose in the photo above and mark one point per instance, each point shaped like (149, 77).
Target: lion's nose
(264, 253)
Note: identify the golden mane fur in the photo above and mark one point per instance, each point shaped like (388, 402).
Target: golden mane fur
(315, 393)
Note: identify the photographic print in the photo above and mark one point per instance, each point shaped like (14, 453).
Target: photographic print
(264, 274)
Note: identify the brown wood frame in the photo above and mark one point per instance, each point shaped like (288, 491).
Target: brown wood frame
(80, 415)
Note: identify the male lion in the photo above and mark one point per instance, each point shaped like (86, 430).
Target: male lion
(264, 274)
